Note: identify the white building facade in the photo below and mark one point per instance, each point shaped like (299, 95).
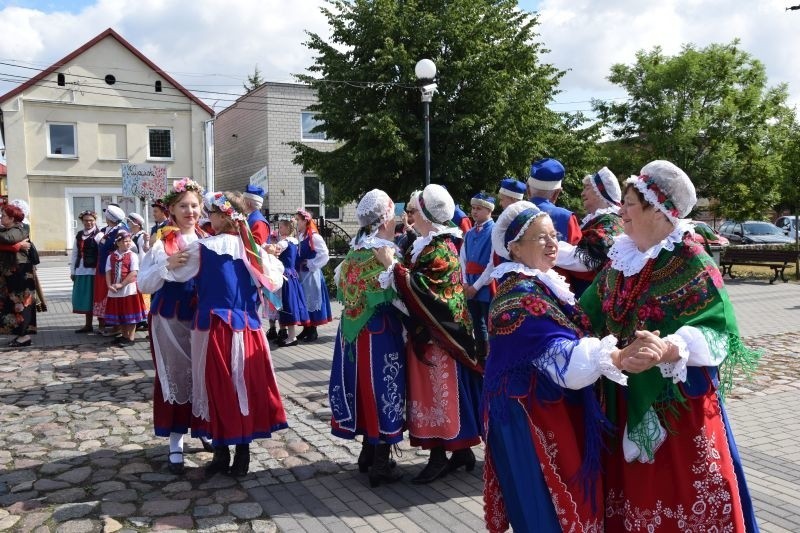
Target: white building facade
(69, 129)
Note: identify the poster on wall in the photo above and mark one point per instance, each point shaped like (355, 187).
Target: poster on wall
(259, 178)
(144, 181)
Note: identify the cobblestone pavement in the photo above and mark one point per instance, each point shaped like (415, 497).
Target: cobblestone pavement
(77, 452)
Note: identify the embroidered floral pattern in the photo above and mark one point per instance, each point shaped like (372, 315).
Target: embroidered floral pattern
(392, 401)
(712, 510)
(437, 414)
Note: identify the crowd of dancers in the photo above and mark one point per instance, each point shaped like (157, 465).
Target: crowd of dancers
(590, 357)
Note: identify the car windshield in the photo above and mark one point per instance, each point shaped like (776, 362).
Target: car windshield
(761, 228)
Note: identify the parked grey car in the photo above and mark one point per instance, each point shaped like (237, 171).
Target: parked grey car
(787, 224)
(753, 232)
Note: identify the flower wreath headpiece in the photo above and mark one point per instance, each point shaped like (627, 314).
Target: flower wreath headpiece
(181, 186)
(219, 201)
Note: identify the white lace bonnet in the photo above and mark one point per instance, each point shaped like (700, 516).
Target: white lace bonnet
(511, 225)
(374, 209)
(667, 187)
(606, 185)
(436, 205)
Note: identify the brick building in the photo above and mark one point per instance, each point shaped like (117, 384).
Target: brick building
(253, 134)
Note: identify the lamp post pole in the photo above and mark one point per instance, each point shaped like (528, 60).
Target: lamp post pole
(426, 110)
(425, 71)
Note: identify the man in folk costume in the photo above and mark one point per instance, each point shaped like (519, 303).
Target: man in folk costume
(511, 190)
(115, 217)
(475, 254)
(253, 200)
(443, 371)
(544, 188)
(601, 199)
(672, 464)
(160, 213)
(367, 388)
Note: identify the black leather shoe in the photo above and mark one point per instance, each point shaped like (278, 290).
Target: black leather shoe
(283, 334)
(302, 335)
(366, 457)
(272, 334)
(175, 468)
(17, 344)
(207, 446)
(312, 335)
(282, 343)
(381, 469)
(221, 461)
(241, 461)
(436, 468)
(463, 457)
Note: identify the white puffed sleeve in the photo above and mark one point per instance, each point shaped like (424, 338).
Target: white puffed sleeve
(589, 359)
(568, 259)
(694, 350)
(154, 269)
(322, 257)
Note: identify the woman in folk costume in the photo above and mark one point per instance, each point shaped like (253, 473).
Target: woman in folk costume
(673, 463)
(234, 390)
(601, 197)
(106, 238)
(293, 310)
(311, 257)
(367, 390)
(17, 277)
(543, 424)
(443, 373)
(172, 309)
(124, 305)
(83, 267)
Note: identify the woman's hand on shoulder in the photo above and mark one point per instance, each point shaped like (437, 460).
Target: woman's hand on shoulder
(384, 255)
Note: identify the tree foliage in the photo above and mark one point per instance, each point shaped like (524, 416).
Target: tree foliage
(710, 112)
(254, 80)
(488, 119)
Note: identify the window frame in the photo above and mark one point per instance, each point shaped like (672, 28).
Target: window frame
(171, 130)
(311, 139)
(321, 205)
(50, 153)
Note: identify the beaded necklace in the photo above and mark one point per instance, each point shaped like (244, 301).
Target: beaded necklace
(622, 301)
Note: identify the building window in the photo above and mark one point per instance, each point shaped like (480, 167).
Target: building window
(308, 121)
(62, 140)
(159, 143)
(315, 200)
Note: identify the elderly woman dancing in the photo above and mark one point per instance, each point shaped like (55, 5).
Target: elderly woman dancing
(543, 424)
(443, 372)
(673, 464)
(368, 378)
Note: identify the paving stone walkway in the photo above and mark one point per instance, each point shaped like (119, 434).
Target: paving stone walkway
(77, 453)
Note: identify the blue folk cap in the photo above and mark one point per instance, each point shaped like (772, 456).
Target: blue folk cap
(546, 174)
(512, 188)
(484, 200)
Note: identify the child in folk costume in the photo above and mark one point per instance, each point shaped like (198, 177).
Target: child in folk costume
(124, 306)
(293, 310)
(234, 390)
(172, 309)
(83, 267)
(311, 257)
(141, 244)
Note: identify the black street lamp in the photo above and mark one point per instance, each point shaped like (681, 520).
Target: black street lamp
(425, 71)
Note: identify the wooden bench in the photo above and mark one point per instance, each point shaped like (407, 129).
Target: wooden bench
(776, 259)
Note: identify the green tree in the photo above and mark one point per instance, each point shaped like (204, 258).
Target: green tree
(254, 80)
(710, 112)
(488, 119)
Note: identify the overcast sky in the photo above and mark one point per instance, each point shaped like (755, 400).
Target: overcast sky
(212, 45)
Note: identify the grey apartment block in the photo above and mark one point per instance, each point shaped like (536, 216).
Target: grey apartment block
(254, 133)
